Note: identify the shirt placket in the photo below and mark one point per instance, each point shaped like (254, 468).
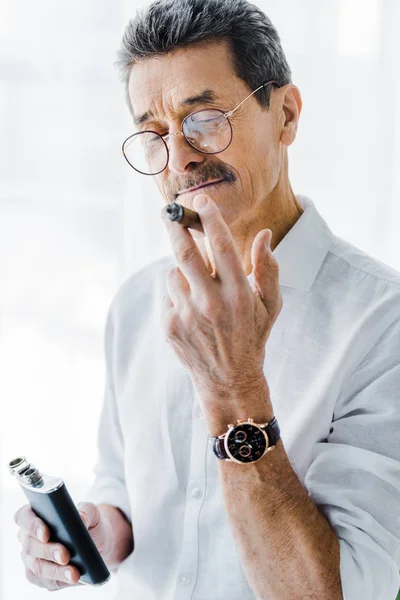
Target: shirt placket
(195, 497)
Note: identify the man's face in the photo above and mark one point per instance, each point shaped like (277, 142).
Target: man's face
(250, 165)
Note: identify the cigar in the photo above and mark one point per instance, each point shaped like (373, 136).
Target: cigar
(184, 216)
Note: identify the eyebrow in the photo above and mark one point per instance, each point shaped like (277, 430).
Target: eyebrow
(205, 97)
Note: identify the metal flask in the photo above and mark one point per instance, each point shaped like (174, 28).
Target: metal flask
(50, 500)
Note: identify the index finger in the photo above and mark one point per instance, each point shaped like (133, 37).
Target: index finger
(30, 522)
(225, 253)
(187, 254)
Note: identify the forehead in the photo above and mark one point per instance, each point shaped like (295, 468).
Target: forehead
(160, 84)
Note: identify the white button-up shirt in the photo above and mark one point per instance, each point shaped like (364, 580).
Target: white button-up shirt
(332, 364)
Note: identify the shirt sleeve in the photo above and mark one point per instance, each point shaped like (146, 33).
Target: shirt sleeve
(354, 476)
(109, 484)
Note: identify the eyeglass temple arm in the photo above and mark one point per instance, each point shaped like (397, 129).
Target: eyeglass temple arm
(228, 114)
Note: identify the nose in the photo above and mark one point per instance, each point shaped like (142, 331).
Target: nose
(181, 153)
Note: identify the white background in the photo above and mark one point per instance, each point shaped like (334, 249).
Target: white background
(75, 220)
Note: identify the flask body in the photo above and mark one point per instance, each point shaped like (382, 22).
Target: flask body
(51, 501)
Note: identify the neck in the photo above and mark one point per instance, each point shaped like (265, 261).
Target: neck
(278, 212)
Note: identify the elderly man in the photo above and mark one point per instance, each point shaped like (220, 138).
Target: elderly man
(268, 343)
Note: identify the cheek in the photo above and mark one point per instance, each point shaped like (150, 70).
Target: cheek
(257, 163)
(266, 161)
(266, 156)
(255, 150)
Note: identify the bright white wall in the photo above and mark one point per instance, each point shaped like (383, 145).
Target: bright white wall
(75, 220)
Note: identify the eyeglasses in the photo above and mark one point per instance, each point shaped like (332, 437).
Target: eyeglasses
(208, 131)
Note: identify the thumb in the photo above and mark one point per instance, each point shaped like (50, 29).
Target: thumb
(266, 272)
(89, 513)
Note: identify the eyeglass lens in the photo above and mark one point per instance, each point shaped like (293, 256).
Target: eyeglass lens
(208, 131)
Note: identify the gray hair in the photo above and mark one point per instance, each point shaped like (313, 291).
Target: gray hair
(168, 24)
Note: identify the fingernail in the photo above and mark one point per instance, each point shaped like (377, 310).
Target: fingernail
(40, 535)
(200, 201)
(57, 557)
(68, 574)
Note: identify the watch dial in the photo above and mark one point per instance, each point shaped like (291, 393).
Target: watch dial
(246, 443)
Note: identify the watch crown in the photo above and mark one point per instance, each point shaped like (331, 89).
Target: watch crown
(250, 420)
(230, 425)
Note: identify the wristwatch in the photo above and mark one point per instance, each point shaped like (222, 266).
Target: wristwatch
(246, 441)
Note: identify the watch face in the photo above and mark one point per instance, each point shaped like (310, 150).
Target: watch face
(246, 443)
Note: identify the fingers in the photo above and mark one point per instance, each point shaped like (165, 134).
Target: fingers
(90, 514)
(48, 585)
(187, 254)
(177, 286)
(49, 572)
(224, 250)
(27, 520)
(266, 273)
(47, 563)
(50, 551)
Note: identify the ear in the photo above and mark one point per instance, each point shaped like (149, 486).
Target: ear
(291, 109)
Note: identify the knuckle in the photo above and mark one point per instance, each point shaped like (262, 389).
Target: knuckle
(273, 263)
(88, 509)
(259, 271)
(185, 253)
(240, 296)
(171, 326)
(56, 573)
(188, 319)
(37, 567)
(21, 536)
(27, 544)
(30, 576)
(222, 243)
(57, 585)
(210, 308)
(172, 272)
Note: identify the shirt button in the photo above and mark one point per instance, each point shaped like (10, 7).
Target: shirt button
(197, 493)
(184, 579)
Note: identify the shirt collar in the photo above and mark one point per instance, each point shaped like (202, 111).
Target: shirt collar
(302, 251)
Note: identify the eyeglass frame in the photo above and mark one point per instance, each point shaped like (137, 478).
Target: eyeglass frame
(163, 137)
